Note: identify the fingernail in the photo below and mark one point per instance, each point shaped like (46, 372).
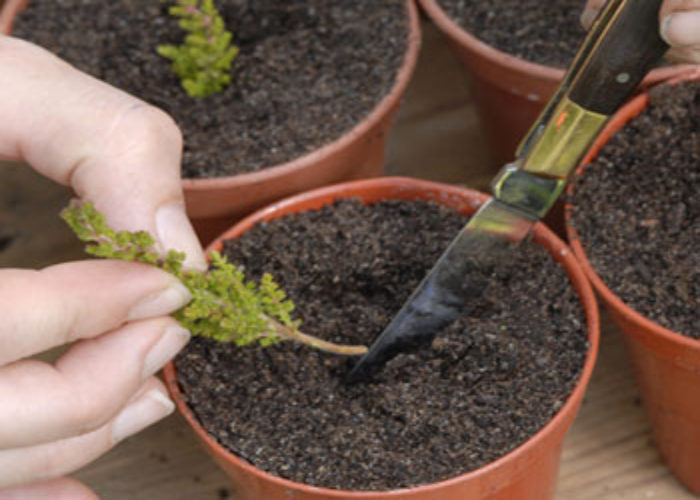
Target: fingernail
(681, 29)
(172, 342)
(175, 232)
(588, 17)
(145, 411)
(161, 303)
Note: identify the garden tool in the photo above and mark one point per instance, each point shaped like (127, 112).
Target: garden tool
(620, 49)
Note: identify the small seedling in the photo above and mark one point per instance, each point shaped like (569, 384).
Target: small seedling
(225, 306)
(203, 62)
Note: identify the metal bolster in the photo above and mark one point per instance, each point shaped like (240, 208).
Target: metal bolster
(529, 193)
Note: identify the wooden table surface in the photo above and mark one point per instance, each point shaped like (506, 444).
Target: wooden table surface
(609, 453)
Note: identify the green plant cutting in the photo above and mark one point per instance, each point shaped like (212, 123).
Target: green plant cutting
(203, 62)
(225, 306)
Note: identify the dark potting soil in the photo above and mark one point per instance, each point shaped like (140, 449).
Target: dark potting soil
(6, 240)
(487, 385)
(547, 32)
(637, 210)
(308, 70)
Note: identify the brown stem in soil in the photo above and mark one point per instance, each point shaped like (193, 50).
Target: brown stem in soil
(292, 334)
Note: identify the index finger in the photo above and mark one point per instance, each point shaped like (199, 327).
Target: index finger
(111, 148)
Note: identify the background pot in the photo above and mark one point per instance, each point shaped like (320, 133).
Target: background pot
(527, 473)
(666, 364)
(509, 92)
(214, 204)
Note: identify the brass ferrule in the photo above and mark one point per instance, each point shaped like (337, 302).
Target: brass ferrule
(564, 141)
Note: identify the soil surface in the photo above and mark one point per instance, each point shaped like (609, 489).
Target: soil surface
(488, 384)
(308, 70)
(542, 31)
(637, 210)
(6, 240)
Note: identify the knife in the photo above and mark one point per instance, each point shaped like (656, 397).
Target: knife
(620, 49)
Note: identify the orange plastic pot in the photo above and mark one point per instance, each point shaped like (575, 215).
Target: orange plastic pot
(214, 204)
(527, 473)
(666, 364)
(509, 92)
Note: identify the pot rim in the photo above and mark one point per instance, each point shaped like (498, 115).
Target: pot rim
(542, 234)
(501, 58)
(403, 77)
(624, 115)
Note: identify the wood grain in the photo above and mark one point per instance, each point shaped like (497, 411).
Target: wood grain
(609, 454)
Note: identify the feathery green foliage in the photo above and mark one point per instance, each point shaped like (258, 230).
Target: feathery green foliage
(225, 306)
(203, 62)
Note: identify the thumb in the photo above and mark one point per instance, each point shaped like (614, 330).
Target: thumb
(680, 23)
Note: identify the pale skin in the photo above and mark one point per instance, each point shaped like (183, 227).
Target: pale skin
(679, 25)
(124, 156)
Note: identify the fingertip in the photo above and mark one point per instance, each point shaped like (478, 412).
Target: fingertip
(665, 29)
(175, 231)
(153, 406)
(57, 489)
(681, 29)
(122, 291)
(172, 341)
(160, 303)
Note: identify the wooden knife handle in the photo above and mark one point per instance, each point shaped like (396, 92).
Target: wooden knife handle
(630, 47)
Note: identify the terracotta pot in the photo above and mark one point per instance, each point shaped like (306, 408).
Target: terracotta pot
(527, 473)
(509, 92)
(666, 364)
(215, 203)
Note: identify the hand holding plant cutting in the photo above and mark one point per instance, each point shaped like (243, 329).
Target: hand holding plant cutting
(679, 26)
(123, 156)
(224, 305)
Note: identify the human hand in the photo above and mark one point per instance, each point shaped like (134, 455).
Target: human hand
(679, 26)
(123, 156)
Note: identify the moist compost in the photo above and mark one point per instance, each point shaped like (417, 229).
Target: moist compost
(6, 240)
(488, 383)
(547, 32)
(637, 210)
(308, 70)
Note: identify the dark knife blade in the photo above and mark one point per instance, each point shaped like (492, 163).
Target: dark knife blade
(484, 244)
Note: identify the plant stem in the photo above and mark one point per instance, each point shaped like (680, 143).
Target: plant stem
(323, 345)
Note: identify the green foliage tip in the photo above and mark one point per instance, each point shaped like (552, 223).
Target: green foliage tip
(203, 62)
(224, 305)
